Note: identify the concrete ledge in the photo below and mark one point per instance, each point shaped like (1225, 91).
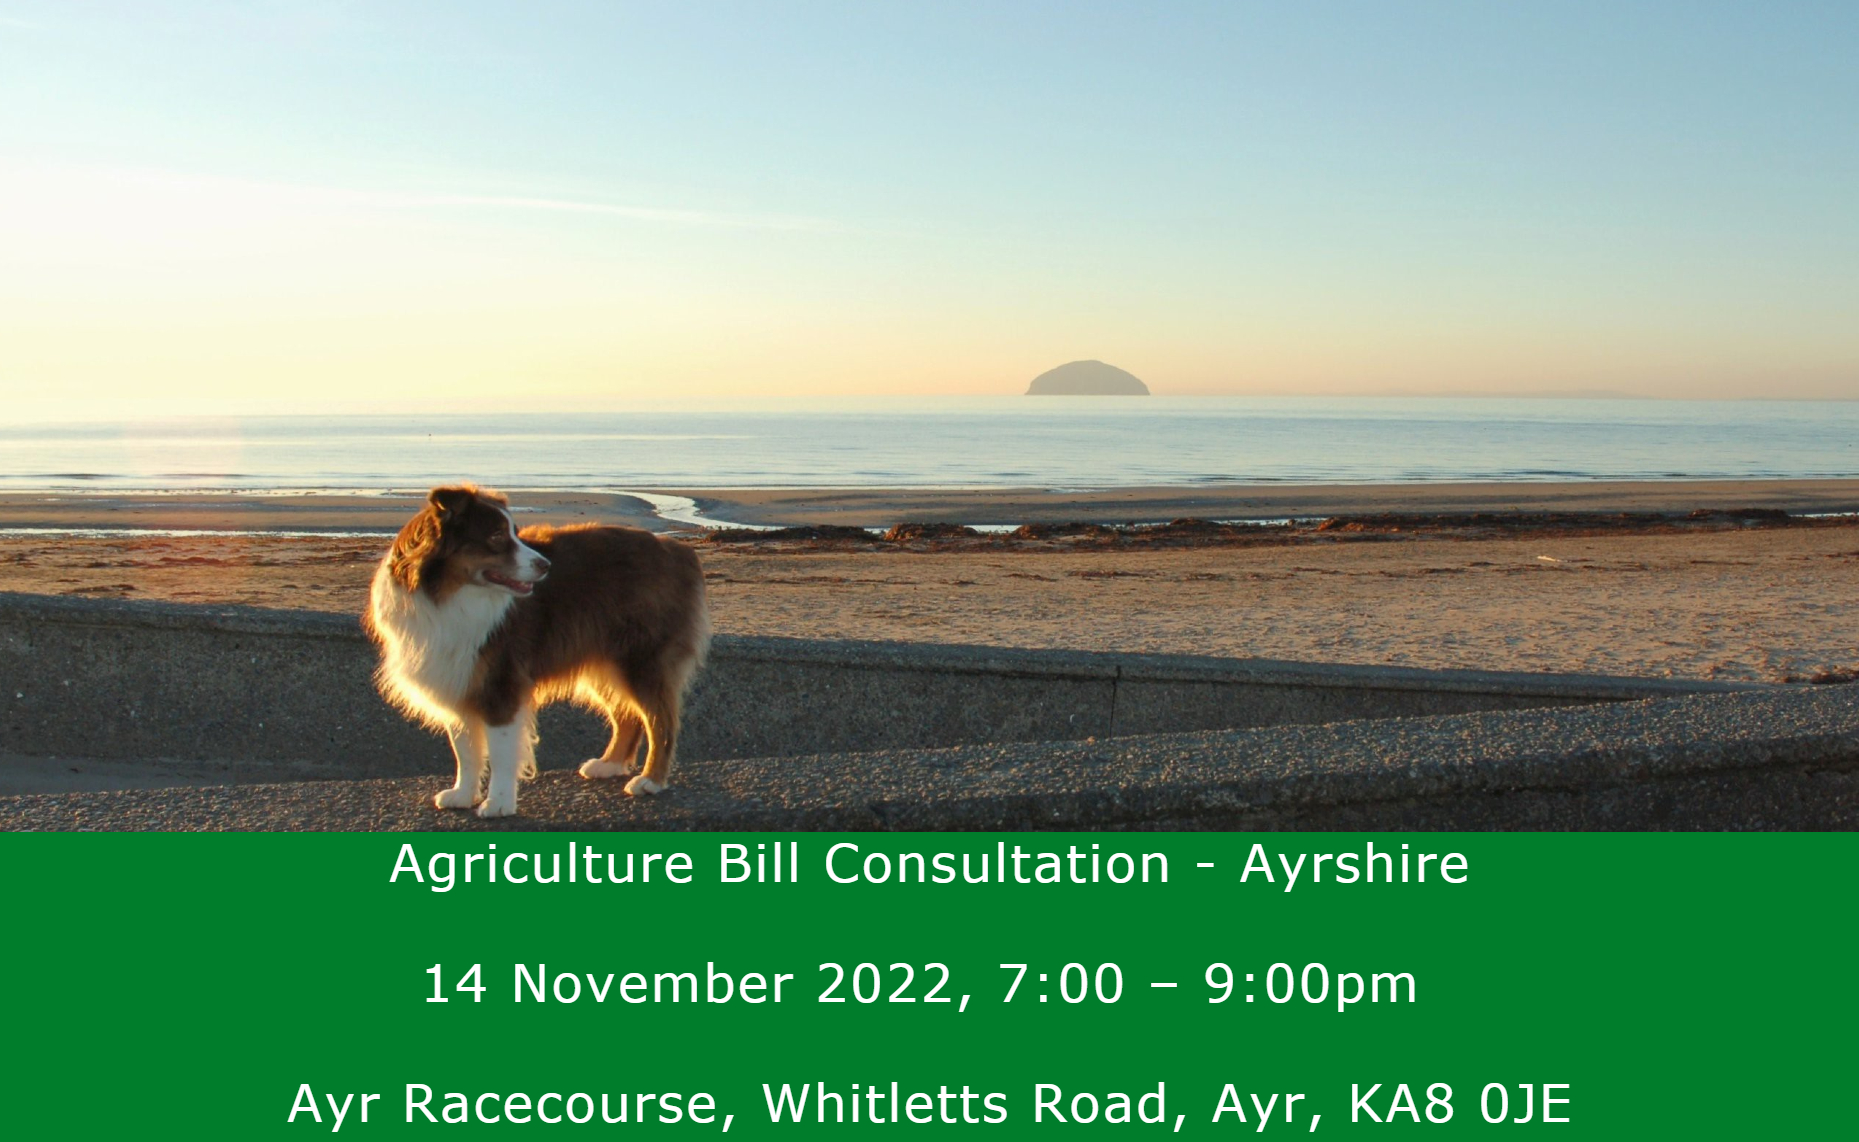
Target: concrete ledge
(1775, 760)
(291, 690)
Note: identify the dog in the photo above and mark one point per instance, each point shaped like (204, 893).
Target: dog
(480, 624)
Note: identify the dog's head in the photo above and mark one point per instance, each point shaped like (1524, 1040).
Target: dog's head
(464, 537)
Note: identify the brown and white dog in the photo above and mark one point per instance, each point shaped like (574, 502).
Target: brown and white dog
(480, 624)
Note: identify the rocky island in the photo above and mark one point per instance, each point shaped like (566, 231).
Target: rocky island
(1086, 379)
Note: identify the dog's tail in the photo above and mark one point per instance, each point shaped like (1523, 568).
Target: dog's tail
(700, 631)
(696, 645)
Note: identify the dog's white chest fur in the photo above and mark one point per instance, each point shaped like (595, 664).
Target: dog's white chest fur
(430, 650)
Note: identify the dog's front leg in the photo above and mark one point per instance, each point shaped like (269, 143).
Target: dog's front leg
(468, 747)
(510, 750)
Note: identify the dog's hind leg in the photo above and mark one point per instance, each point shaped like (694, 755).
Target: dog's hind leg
(512, 752)
(605, 690)
(622, 756)
(661, 703)
(468, 746)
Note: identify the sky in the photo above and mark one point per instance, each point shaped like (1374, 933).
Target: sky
(297, 206)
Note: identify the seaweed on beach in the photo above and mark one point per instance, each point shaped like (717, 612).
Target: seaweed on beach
(1076, 529)
(919, 532)
(1478, 524)
(1191, 531)
(810, 533)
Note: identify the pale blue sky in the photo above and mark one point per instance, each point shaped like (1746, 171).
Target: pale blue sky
(602, 202)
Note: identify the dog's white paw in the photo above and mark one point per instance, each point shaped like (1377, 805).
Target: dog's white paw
(455, 799)
(594, 769)
(495, 806)
(643, 784)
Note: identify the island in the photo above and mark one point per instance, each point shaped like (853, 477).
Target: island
(1086, 379)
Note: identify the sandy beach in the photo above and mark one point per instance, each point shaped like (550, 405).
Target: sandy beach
(1413, 581)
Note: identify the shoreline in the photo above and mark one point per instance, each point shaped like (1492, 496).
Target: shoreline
(369, 512)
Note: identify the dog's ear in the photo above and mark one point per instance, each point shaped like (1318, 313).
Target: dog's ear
(448, 503)
(414, 548)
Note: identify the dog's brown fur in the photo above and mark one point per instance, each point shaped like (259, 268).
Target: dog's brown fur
(618, 622)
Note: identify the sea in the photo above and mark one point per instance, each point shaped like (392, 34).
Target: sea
(1047, 442)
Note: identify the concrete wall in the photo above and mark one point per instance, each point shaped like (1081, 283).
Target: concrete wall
(292, 690)
(1779, 759)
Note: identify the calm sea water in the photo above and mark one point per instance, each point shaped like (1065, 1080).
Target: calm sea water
(1002, 442)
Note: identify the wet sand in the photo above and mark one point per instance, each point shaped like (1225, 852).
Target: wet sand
(284, 512)
(883, 508)
(868, 507)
